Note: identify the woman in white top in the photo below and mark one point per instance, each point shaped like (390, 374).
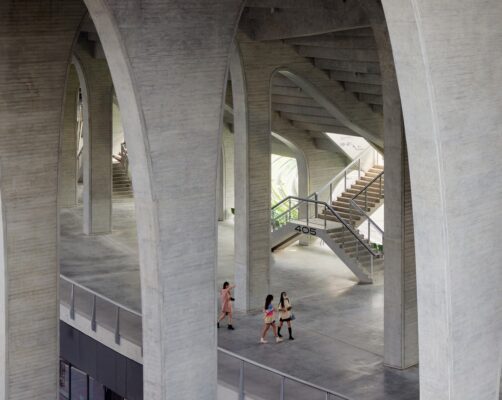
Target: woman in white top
(285, 314)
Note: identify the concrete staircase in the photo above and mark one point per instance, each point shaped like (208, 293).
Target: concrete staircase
(349, 245)
(337, 222)
(122, 186)
(369, 201)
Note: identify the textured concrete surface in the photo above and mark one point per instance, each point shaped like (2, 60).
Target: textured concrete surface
(447, 58)
(36, 44)
(69, 143)
(401, 325)
(97, 90)
(168, 60)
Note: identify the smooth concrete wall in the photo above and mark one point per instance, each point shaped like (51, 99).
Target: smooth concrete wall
(447, 58)
(36, 40)
(168, 60)
(69, 143)
(97, 92)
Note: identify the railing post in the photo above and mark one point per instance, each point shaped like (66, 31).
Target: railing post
(307, 213)
(366, 201)
(316, 198)
(325, 217)
(283, 380)
(241, 381)
(117, 326)
(93, 317)
(72, 302)
(327, 395)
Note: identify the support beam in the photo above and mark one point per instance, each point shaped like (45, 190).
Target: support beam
(262, 24)
(68, 173)
(97, 94)
(36, 42)
(252, 121)
(400, 290)
(452, 119)
(164, 70)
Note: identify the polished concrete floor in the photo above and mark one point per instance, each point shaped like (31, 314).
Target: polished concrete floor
(339, 325)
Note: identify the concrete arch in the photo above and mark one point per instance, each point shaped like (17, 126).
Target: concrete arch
(173, 214)
(451, 105)
(301, 160)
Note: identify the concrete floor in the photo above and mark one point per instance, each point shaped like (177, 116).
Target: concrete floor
(339, 325)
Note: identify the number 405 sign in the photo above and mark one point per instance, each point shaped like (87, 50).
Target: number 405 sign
(306, 230)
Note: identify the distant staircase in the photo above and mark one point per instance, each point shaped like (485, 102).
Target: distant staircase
(369, 189)
(122, 186)
(335, 213)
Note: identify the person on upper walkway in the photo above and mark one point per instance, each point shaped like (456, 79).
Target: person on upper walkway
(226, 304)
(285, 314)
(269, 320)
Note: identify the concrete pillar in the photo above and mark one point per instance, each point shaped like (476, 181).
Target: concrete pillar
(69, 143)
(168, 60)
(400, 290)
(220, 183)
(251, 99)
(448, 65)
(228, 151)
(97, 94)
(36, 41)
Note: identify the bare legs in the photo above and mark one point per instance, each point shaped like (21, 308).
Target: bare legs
(265, 329)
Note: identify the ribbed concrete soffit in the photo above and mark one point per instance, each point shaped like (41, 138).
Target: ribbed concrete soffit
(276, 19)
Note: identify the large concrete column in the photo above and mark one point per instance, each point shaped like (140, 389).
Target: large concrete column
(97, 96)
(400, 291)
(69, 143)
(251, 76)
(448, 65)
(36, 40)
(168, 60)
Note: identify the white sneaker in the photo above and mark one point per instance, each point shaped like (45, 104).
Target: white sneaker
(263, 341)
(278, 339)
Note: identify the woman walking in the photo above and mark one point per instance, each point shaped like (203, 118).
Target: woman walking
(226, 304)
(285, 314)
(269, 320)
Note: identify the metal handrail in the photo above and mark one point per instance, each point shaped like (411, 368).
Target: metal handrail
(369, 184)
(340, 175)
(344, 171)
(362, 212)
(283, 376)
(95, 296)
(243, 360)
(335, 213)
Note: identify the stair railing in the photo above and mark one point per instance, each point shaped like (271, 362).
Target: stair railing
(357, 210)
(312, 206)
(345, 178)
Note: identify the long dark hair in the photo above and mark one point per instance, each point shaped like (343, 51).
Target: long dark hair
(281, 302)
(268, 300)
(225, 285)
